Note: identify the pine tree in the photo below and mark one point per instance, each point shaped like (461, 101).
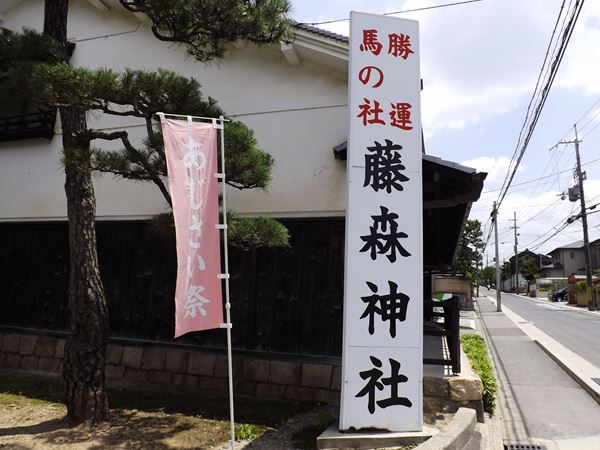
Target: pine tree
(37, 67)
(85, 348)
(142, 94)
(469, 250)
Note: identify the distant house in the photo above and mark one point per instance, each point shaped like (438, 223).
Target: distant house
(542, 260)
(570, 258)
(595, 254)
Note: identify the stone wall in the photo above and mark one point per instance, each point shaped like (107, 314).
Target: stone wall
(264, 377)
(253, 376)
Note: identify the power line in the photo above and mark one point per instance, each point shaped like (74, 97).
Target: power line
(566, 37)
(567, 33)
(563, 224)
(542, 178)
(396, 12)
(529, 219)
(543, 70)
(525, 206)
(531, 101)
(550, 237)
(591, 118)
(590, 131)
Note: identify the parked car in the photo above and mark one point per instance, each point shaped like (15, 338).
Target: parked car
(560, 295)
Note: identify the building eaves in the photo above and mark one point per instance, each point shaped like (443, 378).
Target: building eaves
(341, 152)
(321, 32)
(453, 165)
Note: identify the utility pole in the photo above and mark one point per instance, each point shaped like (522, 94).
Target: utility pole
(586, 240)
(514, 227)
(498, 294)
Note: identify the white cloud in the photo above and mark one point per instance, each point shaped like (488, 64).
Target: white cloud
(342, 28)
(480, 61)
(448, 107)
(540, 211)
(496, 168)
(581, 64)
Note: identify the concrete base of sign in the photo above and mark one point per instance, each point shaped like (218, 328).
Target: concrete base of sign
(332, 438)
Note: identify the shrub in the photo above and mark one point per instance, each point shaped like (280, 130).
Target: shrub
(581, 285)
(246, 431)
(475, 349)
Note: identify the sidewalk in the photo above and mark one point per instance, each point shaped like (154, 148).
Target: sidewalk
(538, 403)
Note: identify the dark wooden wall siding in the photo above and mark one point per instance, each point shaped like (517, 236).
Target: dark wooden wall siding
(283, 300)
(34, 276)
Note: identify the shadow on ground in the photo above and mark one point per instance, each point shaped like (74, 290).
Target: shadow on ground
(153, 418)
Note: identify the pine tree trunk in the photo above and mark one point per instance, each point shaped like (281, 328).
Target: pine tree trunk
(85, 350)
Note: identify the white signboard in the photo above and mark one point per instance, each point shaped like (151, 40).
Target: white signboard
(383, 297)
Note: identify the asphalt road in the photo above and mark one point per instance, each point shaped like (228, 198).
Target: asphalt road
(576, 328)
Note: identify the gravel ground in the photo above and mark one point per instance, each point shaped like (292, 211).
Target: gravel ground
(282, 439)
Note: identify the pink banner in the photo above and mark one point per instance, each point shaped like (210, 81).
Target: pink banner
(191, 151)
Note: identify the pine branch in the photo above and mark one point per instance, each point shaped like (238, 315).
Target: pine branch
(97, 134)
(135, 155)
(204, 27)
(107, 110)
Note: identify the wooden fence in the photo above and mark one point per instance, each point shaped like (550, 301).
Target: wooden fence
(283, 300)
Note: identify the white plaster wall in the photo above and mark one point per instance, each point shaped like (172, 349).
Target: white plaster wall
(298, 115)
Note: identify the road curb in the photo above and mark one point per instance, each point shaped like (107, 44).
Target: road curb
(580, 370)
(582, 380)
(456, 434)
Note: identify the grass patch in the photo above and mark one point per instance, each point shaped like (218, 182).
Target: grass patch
(40, 389)
(248, 431)
(475, 349)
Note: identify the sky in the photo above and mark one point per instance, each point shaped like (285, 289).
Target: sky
(479, 64)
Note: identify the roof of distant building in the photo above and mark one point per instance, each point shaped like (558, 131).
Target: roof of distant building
(528, 252)
(573, 245)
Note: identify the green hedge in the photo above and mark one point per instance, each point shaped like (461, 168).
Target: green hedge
(475, 349)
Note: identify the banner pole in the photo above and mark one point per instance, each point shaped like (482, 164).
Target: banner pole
(227, 304)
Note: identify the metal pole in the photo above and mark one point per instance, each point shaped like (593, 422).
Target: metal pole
(227, 304)
(586, 240)
(516, 254)
(498, 294)
(193, 117)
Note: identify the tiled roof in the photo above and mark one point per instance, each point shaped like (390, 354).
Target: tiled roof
(320, 31)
